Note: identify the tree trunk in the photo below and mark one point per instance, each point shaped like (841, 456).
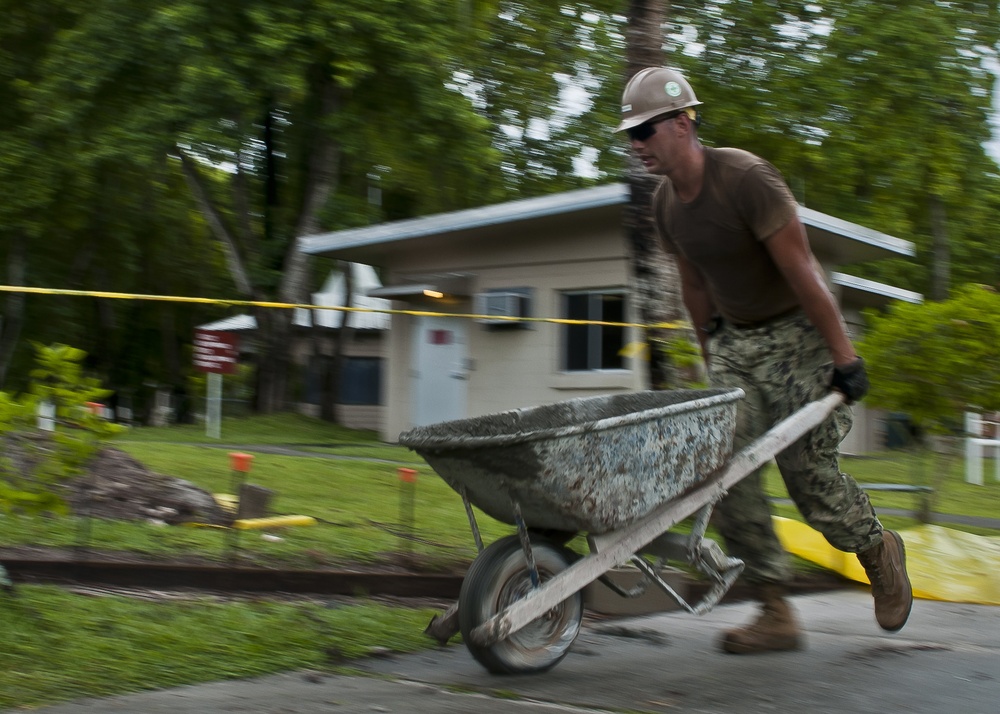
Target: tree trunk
(12, 319)
(328, 377)
(104, 352)
(644, 35)
(331, 361)
(234, 260)
(941, 265)
(344, 337)
(324, 164)
(274, 359)
(274, 325)
(655, 282)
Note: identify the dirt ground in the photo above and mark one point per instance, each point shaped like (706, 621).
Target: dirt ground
(117, 486)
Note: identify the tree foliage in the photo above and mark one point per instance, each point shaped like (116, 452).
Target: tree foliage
(91, 207)
(936, 360)
(275, 118)
(34, 464)
(181, 146)
(876, 112)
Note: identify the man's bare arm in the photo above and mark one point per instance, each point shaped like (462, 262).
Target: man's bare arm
(790, 251)
(696, 299)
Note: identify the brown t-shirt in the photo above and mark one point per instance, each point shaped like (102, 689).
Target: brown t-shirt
(743, 202)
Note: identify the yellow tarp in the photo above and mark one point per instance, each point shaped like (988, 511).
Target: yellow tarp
(943, 564)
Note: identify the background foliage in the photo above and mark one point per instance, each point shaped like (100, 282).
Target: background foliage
(33, 463)
(180, 146)
(938, 360)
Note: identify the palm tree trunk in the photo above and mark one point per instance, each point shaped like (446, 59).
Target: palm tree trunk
(12, 319)
(655, 282)
(941, 267)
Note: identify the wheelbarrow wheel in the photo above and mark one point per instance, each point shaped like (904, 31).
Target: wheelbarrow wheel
(498, 578)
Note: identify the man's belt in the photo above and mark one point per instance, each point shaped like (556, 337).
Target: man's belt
(764, 323)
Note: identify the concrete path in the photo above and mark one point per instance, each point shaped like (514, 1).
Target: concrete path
(946, 659)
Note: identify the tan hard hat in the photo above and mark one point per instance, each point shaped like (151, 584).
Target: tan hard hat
(654, 91)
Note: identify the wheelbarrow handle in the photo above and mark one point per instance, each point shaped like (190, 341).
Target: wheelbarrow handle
(778, 438)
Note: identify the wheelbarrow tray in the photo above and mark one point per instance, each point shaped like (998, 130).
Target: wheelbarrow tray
(593, 464)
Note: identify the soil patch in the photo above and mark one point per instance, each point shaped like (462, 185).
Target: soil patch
(117, 486)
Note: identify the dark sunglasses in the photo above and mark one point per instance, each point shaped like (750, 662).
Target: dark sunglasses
(648, 128)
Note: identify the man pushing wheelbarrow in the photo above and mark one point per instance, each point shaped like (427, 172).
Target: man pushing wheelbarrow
(767, 324)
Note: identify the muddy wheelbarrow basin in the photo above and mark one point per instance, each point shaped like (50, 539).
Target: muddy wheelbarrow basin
(593, 464)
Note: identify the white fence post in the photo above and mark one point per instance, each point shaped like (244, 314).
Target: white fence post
(46, 417)
(976, 446)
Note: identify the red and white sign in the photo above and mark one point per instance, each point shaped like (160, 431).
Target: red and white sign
(216, 352)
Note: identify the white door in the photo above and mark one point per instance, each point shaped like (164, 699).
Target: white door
(439, 372)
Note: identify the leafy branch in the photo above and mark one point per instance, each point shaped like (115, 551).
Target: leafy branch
(35, 463)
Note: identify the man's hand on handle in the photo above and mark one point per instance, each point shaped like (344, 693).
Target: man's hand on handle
(852, 380)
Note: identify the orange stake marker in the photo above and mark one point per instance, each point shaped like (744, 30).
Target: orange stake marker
(408, 475)
(240, 462)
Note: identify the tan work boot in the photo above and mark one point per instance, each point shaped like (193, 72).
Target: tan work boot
(775, 629)
(885, 565)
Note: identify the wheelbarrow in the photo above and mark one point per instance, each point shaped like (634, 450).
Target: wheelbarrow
(621, 470)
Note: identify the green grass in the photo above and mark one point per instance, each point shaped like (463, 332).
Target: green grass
(360, 506)
(70, 646)
(284, 428)
(952, 495)
(380, 452)
(60, 646)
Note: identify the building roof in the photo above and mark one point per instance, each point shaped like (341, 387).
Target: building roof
(862, 293)
(236, 323)
(826, 234)
(836, 240)
(467, 219)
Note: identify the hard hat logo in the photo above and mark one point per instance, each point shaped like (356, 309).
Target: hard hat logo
(672, 89)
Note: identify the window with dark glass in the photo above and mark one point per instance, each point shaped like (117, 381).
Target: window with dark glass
(360, 380)
(593, 347)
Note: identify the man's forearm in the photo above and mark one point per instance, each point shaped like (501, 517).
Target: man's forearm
(701, 310)
(698, 302)
(821, 309)
(789, 248)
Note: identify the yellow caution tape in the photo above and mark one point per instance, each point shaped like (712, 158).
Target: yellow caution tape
(336, 308)
(943, 564)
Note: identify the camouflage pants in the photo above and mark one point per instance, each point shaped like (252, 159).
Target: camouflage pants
(782, 366)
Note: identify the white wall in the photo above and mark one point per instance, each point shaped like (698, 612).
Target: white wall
(513, 368)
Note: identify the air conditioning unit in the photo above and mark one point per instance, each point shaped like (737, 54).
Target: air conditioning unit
(501, 304)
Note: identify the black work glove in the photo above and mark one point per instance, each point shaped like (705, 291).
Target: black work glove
(852, 380)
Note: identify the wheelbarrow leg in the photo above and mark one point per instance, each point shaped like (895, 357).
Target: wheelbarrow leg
(470, 514)
(703, 553)
(522, 534)
(444, 626)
